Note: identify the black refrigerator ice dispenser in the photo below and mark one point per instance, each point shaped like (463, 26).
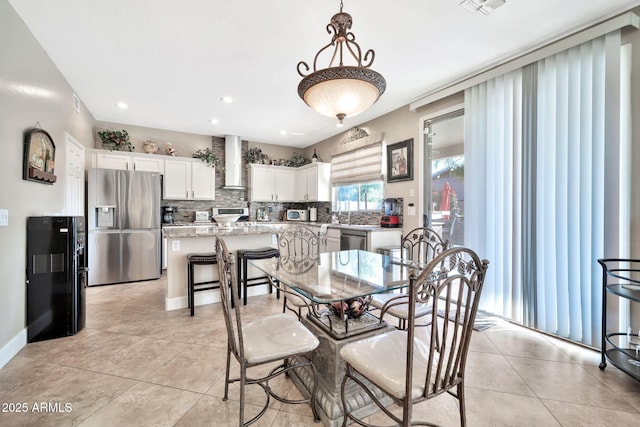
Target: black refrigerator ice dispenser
(56, 276)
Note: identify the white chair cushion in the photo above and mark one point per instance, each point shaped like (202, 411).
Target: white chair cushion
(382, 359)
(401, 310)
(276, 337)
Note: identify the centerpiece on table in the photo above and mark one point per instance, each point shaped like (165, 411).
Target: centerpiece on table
(115, 140)
(351, 308)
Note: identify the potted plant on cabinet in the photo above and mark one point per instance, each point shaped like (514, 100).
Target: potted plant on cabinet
(115, 140)
(209, 158)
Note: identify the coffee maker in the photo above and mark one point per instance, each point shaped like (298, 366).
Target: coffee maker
(390, 219)
(168, 214)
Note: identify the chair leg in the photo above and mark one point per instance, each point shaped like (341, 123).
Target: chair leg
(239, 276)
(226, 376)
(463, 416)
(245, 280)
(243, 382)
(190, 291)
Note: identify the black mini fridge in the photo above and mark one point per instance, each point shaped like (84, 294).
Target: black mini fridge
(56, 276)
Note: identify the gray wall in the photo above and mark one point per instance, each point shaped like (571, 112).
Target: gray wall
(32, 90)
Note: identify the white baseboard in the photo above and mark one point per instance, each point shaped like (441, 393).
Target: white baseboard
(208, 297)
(12, 348)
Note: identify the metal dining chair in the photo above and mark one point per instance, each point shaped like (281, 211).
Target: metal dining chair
(420, 245)
(278, 337)
(409, 367)
(299, 250)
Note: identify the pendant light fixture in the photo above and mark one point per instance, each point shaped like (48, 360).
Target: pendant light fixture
(341, 90)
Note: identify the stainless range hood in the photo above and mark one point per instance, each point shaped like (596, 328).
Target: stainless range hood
(233, 163)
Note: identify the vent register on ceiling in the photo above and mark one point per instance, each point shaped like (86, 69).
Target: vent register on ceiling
(359, 160)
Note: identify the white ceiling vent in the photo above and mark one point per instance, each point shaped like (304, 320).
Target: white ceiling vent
(482, 7)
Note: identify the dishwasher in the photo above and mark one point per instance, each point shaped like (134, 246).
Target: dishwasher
(353, 239)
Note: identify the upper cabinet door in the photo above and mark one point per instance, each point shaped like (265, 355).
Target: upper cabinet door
(148, 163)
(108, 160)
(285, 184)
(177, 179)
(262, 180)
(203, 181)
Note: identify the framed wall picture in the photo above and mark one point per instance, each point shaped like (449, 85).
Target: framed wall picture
(400, 161)
(39, 157)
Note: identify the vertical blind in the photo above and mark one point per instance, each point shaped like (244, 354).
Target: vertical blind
(545, 180)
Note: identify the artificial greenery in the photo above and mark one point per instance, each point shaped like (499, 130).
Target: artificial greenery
(297, 160)
(114, 140)
(210, 159)
(255, 155)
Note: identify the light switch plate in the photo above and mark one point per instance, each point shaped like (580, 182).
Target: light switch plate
(175, 245)
(411, 210)
(4, 217)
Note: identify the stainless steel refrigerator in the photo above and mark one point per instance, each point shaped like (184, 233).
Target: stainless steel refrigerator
(123, 216)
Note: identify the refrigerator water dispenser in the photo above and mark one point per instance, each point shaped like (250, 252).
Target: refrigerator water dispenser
(105, 216)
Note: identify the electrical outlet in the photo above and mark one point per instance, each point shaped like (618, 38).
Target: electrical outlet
(175, 245)
(4, 217)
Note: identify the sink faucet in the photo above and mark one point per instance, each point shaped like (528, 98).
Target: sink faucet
(348, 216)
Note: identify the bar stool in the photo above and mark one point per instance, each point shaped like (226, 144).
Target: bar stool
(245, 255)
(193, 286)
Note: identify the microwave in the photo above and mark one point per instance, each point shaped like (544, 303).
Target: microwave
(297, 215)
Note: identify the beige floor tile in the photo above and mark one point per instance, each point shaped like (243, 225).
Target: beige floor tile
(524, 343)
(566, 382)
(488, 371)
(195, 368)
(145, 405)
(212, 411)
(569, 414)
(138, 360)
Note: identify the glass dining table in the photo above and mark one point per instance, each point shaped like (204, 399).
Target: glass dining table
(333, 279)
(340, 285)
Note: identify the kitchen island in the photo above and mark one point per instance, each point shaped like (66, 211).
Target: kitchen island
(182, 241)
(200, 238)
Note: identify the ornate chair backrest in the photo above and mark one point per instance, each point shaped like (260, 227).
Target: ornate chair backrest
(452, 282)
(228, 282)
(298, 243)
(423, 244)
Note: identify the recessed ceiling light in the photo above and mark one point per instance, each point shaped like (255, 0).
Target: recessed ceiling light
(214, 121)
(227, 99)
(122, 105)
(283, 132)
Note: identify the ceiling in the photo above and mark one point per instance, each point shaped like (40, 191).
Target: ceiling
(172, 61)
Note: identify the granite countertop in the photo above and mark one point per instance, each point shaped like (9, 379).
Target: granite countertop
(250, 227)
(212, 231)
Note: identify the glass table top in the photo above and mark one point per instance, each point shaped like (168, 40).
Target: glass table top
(338, 276)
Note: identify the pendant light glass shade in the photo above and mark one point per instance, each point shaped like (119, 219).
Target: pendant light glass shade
(341, 91)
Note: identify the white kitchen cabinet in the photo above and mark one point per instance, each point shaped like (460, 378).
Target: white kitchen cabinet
(187, 179)
(332, 240)
(272, 183)
(312, 183)
(127, 161)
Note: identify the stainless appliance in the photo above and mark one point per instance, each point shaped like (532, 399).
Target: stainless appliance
(297, 215)
(353, 239)
(243, 212)
(261, 214)
(169, 214)
(123, 216)
(56, 276)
